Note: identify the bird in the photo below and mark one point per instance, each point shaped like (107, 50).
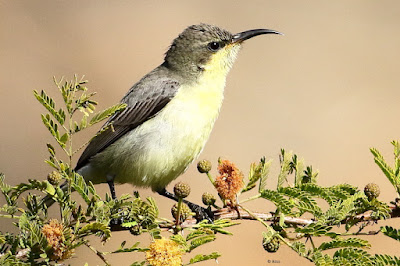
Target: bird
(169, 113)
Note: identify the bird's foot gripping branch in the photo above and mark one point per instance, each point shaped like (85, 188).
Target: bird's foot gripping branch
(303, 210)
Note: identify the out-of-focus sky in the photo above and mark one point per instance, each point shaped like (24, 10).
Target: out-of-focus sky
(328, 90)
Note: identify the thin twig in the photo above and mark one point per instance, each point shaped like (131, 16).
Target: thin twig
(98, 253)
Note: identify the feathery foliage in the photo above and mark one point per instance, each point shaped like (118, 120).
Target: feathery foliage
(392, 173)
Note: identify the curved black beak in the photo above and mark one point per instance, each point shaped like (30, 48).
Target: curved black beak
(245, 35)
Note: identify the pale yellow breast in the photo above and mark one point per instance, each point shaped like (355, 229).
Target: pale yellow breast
(159, 150)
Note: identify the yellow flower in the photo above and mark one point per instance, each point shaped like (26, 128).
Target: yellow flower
(164, 252)
(230, 181)
(54, 234)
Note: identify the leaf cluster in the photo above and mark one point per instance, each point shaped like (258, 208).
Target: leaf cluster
(200, 234)
(41, 240)
(391, 172)
(297, 195)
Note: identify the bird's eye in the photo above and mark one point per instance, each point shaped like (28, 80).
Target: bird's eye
(214, 46)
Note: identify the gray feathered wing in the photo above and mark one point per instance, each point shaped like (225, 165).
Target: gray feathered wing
(144, 100)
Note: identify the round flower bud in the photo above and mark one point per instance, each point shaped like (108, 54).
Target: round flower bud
(208, 199)
(54, 178)
(204, 166)
(372, 191)
(181, 190)
(185, 211)
(272, 246)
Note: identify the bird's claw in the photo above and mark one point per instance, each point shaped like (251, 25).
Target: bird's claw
(202, 213)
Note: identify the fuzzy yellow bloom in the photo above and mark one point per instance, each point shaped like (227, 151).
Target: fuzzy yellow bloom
(164, 252)
(230, 181)
(54, 233)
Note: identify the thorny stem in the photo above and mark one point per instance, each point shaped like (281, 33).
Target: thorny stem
(98, 253)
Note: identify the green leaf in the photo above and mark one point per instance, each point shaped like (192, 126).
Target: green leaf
(264, 175)
(285, 166)
(299, 166)
(134, 248)
(304, 200)
(269, 234)
(138, 263)
(200, 257)
(342, 243)
(179, 239)
(97, 228)
(216, 226)
(258, 172)
(200, 241)
(299, 247)
(386, 260)
(43, 186)
(386, 169)
(64, 138)
(49, 104)
(353, 256)
(340, 210)
(314, 229)
(253, 178)
(53, 129)
(79, 184)
(391, 232)
(100, 116)
(129, 224)
(317, 191)
(278, 199)
(321, 259)
(197, 233)
(32, 230)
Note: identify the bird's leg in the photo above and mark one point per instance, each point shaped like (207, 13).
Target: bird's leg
(112, 188)
(201, 213)
(114, 221)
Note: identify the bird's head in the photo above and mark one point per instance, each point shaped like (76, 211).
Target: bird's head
(204, 47)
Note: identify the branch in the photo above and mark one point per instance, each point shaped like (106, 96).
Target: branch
(240, 214)
(98, 253)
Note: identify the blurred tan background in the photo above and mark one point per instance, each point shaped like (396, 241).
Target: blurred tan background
(328, 90)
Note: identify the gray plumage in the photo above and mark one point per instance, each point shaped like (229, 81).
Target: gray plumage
(144, 100)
